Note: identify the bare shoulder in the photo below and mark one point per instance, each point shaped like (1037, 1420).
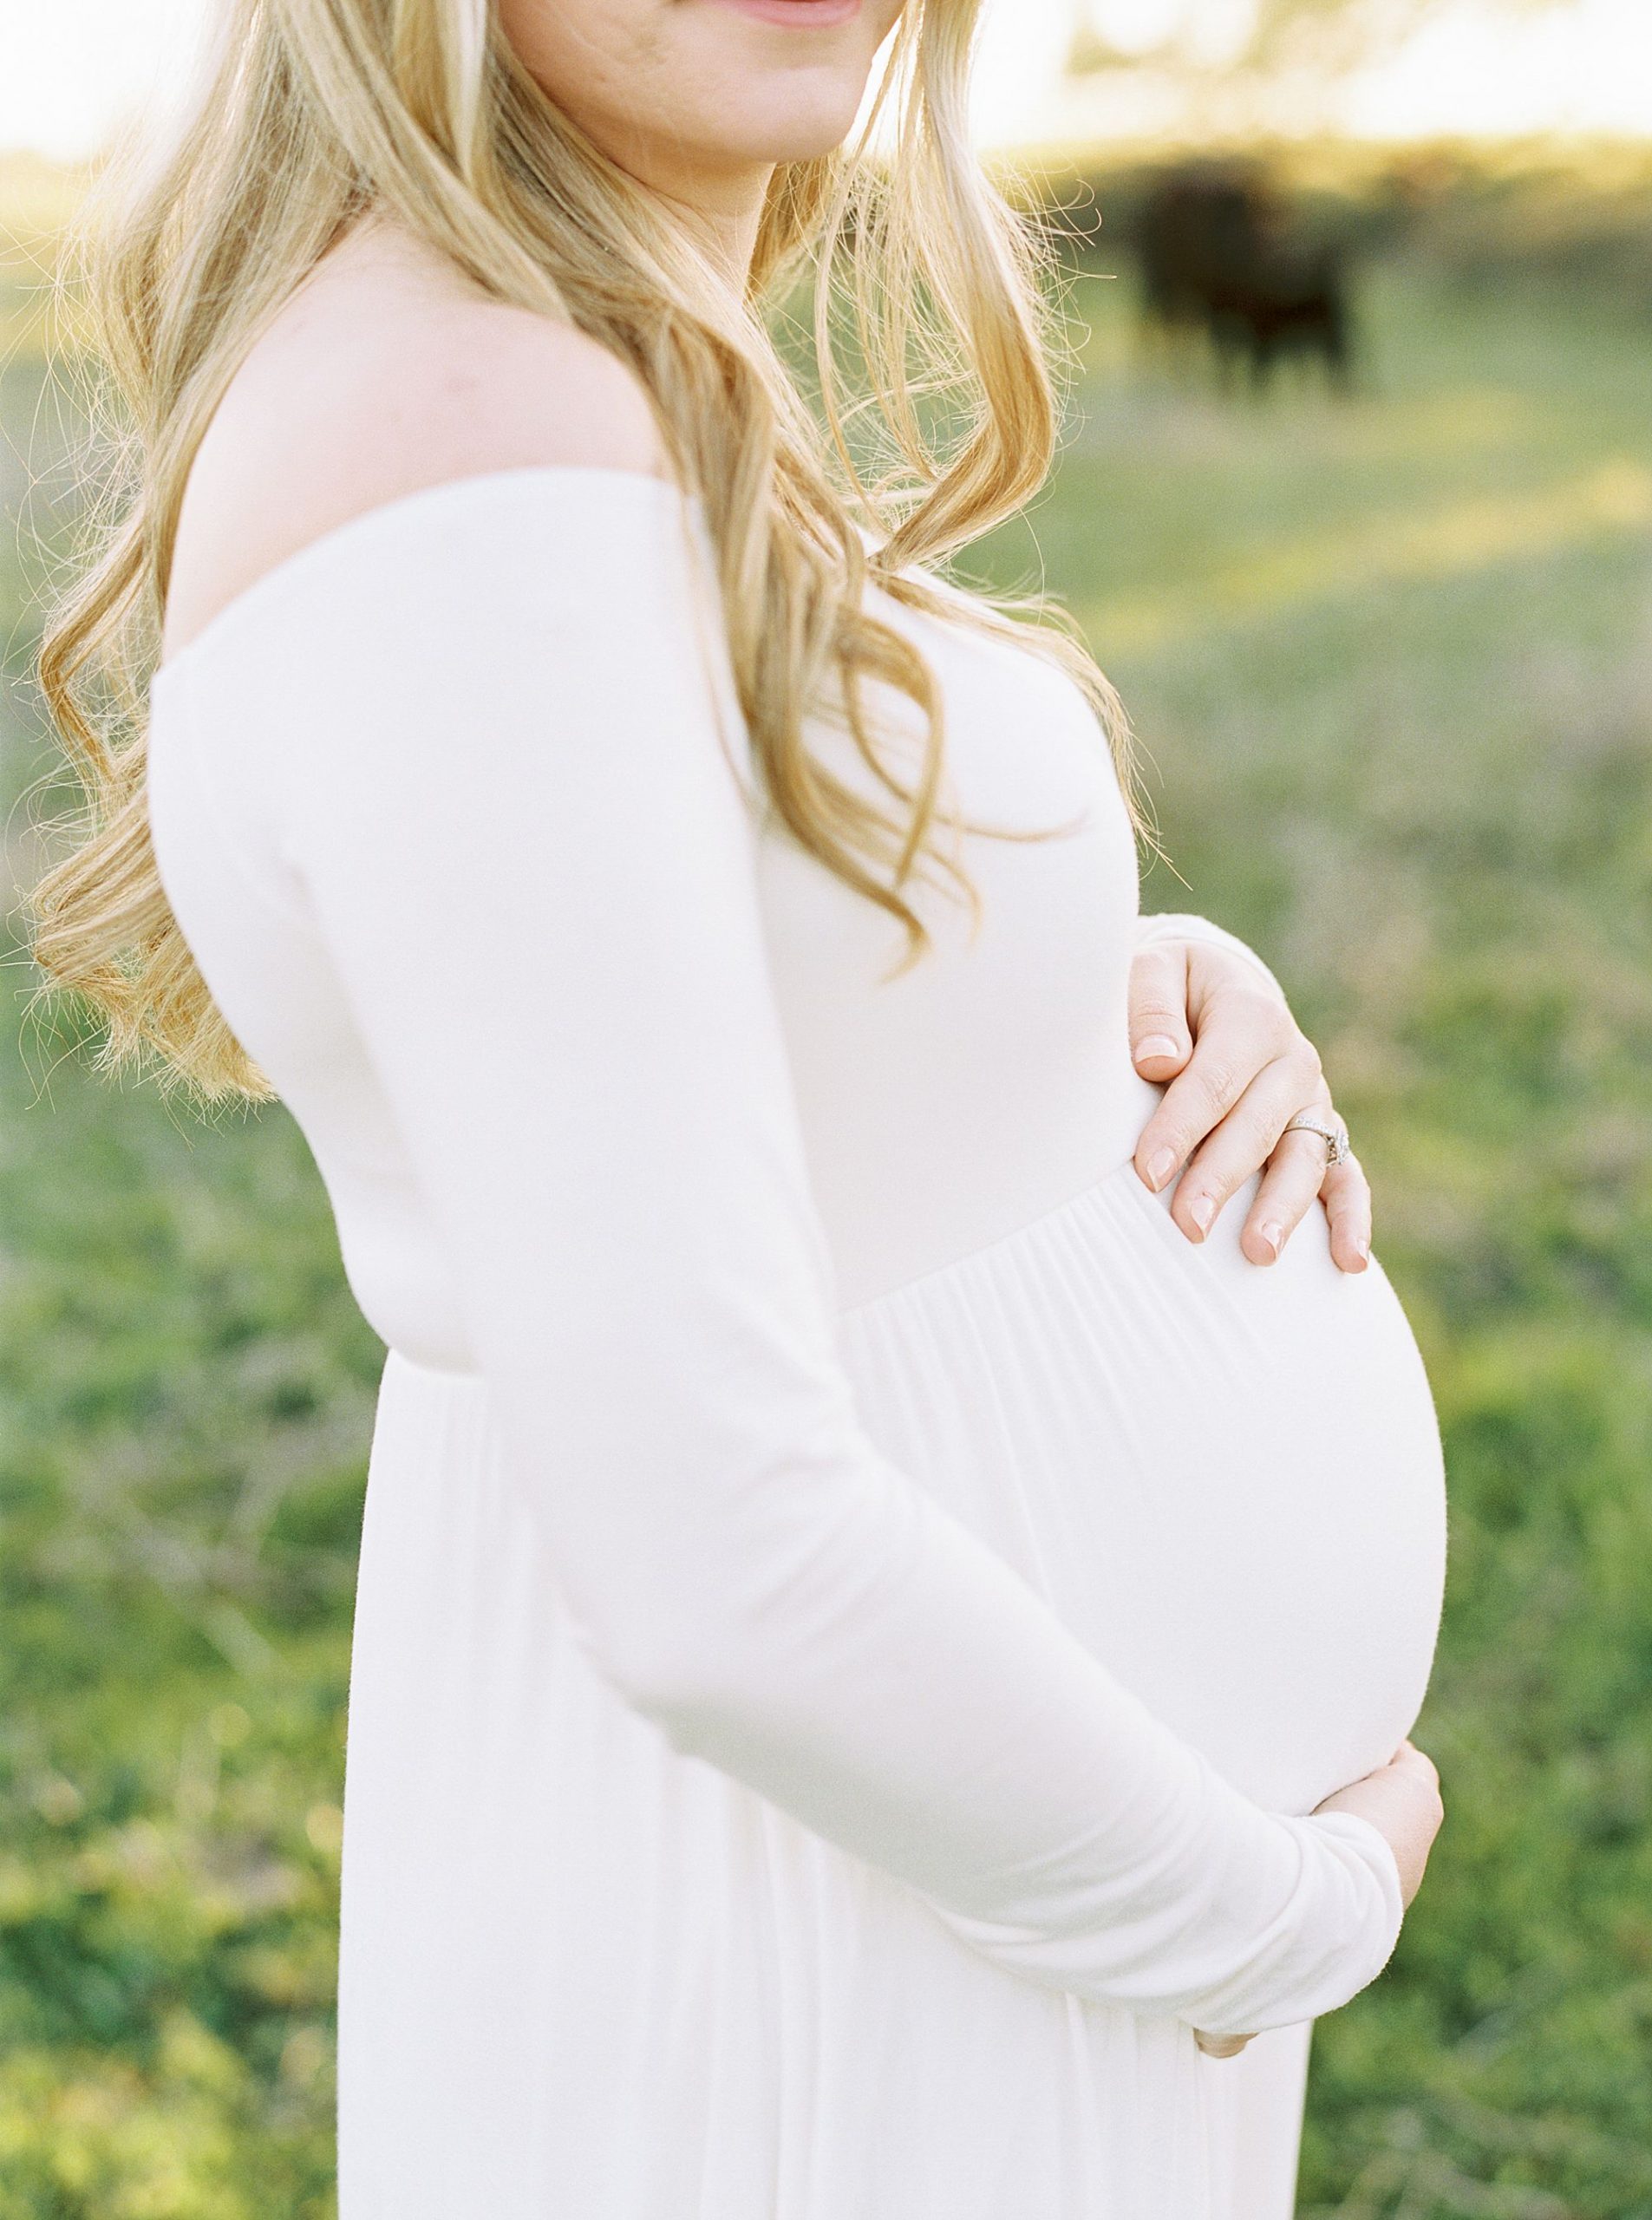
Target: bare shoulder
(383, 375)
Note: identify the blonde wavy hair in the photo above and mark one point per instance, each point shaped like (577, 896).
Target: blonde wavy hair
(311, 112)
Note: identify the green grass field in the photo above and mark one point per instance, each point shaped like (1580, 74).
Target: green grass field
(1392, 665)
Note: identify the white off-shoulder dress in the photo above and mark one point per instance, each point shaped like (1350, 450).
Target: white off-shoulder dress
(854, 1608)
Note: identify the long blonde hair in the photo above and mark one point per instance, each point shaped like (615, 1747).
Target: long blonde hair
(310, 113)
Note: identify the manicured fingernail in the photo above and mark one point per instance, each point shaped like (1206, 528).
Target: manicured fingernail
(1202, 1210)
(1271, 1236)
(1160, 1164)
(1156, 1044)
(1364, 1247)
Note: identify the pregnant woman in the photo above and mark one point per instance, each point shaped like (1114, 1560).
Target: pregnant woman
(888, 1619)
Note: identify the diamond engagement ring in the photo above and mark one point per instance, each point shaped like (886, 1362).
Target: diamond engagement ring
(1334, 1137)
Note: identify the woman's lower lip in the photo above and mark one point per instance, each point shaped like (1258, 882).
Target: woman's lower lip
(797, 14)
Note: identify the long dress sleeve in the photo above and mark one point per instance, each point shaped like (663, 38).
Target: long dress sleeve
(515, 812)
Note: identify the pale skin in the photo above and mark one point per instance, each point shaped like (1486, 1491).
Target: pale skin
(386, 373)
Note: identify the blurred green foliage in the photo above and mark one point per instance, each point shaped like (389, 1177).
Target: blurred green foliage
(1392, 662)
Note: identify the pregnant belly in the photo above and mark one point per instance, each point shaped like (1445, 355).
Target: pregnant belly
(1225, 1478)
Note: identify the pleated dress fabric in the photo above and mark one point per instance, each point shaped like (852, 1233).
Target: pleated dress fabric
(855, 1611)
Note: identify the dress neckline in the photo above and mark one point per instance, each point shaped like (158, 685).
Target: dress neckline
(270, 585)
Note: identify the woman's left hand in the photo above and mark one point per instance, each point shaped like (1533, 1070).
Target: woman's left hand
(1236, 1067)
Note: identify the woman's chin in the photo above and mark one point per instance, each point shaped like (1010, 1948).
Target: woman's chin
(800, 123)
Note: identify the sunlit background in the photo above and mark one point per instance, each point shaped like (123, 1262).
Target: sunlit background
(1357, 513)
(74, 70)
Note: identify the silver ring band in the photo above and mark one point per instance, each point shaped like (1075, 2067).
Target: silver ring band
(1334, 1137)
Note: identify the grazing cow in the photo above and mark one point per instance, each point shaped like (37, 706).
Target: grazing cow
(1222, 256)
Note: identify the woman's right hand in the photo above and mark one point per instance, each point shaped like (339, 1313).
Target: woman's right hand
(1402, 1801)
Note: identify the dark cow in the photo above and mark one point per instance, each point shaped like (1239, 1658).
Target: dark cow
(1222, 256)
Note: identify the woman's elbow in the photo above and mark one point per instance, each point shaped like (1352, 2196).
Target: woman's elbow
(687, 1671)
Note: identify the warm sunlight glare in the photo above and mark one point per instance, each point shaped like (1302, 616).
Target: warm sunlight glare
(76, 68)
